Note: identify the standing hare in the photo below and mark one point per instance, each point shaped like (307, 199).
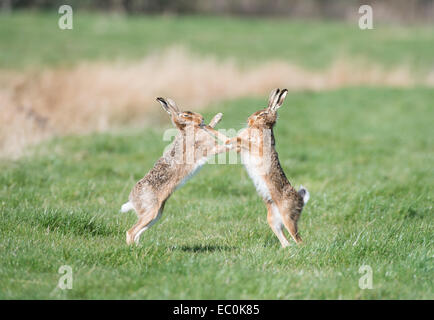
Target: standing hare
(256, 145)
(192, 146)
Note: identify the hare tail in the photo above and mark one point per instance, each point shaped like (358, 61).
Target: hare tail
(126, 207)
(304, 193)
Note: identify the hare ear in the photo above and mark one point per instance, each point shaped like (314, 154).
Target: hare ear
(272, 98)
(164, 104)
(280, 100)
(173, 105)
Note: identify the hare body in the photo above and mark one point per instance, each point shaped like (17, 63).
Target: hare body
(190, 150)
(256, 145)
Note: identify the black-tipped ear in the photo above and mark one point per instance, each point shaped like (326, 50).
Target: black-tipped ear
(280, 99)
(164, 104)
(272, 98)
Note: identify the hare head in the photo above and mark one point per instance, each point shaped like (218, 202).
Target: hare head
(181, 119)
(266, 118)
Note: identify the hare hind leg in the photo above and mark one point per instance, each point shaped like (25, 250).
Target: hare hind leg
(276, 224)
(146, 220)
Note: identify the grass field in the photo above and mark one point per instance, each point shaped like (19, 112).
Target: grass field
(365, 154)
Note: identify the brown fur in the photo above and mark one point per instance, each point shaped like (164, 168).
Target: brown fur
(251, 141)
(192, 144)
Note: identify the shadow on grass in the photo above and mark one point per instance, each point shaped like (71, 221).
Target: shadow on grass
(205, 248)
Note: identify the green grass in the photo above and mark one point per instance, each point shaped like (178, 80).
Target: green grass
(365, 154)
(34, 39)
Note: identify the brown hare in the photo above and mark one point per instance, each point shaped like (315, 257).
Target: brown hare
(256, 145)
(192, 146)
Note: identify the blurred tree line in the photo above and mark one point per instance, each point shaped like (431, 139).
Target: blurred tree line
(384, 10)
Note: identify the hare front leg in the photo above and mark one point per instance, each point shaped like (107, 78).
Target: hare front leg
(238, 143)
(214, 121)
(217, 134)
(276, 224)
(219, 149)
(146, 220)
